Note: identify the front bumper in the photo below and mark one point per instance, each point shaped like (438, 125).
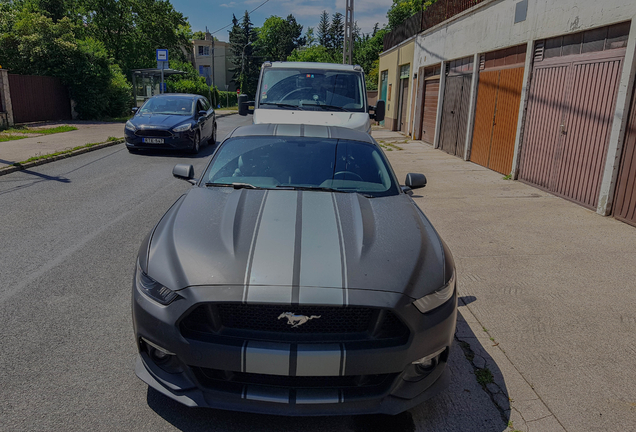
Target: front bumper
(266, 368)
(176, 140)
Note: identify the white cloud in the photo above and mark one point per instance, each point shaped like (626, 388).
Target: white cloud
(228, 5)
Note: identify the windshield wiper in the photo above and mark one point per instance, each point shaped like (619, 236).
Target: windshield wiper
(234, 185)
(322, 189)
(333, 107)
(284, 105)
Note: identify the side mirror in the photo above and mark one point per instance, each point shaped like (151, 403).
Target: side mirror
(378, 111)
(134, 110)
(244, 105)
(203, 113)
(184, 172)
(415, 181)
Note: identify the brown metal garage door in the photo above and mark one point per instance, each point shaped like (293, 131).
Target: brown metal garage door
(38, 98)
(454, 122)
(429, 113)
(625, 198)
(426, 104)
(570, 111)
(497, 111)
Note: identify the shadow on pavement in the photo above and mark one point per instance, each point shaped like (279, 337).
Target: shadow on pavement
(204, 152)
(466, 405)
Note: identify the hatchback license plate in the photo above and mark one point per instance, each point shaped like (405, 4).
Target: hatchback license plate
(153, 140)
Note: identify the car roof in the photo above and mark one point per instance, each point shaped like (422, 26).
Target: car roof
(314, 65)
(184, 95)
(301, 130)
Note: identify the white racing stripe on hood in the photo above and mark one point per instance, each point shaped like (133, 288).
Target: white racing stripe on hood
(320, 262)
(271, 273)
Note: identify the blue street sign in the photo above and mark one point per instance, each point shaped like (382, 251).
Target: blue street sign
(162, 55)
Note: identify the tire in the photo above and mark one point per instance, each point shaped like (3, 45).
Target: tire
(196, 146)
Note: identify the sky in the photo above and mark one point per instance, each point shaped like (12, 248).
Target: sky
(216, 14)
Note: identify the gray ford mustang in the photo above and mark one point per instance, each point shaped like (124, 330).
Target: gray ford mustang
(295, 277)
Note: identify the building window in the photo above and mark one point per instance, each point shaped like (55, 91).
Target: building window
(204, 50)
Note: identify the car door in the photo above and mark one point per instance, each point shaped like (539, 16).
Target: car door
(202, 120)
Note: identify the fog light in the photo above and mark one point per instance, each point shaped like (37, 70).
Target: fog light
(156, 351)
(425, 364)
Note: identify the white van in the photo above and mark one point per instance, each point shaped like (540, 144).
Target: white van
(312, 93)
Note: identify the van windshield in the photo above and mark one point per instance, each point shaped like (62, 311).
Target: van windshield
(309, 89)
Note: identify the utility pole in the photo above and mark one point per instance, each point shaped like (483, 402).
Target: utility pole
(347, 49)
(208, 36)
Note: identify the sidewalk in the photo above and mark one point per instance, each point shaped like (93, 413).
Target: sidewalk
(87, 132)
(547, 288)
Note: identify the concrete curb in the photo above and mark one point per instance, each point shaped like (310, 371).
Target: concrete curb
(21, 167)
(11, 169)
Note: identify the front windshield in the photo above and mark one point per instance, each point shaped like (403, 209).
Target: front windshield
(302, 163)
(312, 90)
(169, 106)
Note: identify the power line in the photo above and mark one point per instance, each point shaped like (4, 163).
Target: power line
(248, 14)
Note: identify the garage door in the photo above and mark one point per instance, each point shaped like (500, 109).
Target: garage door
(429, 113)
(570, 111)
(625, 197)
(426, 104)
(497, 110)
(454, 123)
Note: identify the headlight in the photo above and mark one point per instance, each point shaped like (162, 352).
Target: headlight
(183, 127)
(153, 289)
(437, 298)
(130, 126)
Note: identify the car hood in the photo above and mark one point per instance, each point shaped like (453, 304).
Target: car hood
(275, 239)
(352, 120)
(159, 121)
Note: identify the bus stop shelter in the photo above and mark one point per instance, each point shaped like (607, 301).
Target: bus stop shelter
(146, 82)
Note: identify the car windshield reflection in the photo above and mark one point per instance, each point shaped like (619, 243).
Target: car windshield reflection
(310, 164)
(168, 106)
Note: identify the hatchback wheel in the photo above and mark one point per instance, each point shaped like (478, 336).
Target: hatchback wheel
(197, 144)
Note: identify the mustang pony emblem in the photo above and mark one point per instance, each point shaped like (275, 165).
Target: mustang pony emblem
(296, 320)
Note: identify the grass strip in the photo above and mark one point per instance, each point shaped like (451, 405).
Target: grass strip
(43, 131)
(61, 152)
(10, 137)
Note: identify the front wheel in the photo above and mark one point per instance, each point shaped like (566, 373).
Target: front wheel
(196, 146)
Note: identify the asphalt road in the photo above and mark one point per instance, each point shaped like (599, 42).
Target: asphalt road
(70, 233)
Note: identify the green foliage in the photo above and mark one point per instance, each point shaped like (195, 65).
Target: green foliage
(243, 37)
(131, 30)
(316, 53)
(191, 82)
(227, 99)
(402, 9)
(373, 75)
(279, 37)
(36, 45)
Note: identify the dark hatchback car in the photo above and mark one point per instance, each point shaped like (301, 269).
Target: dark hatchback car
(172, 121)
(295, 277)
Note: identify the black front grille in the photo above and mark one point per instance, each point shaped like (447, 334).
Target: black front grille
(268, 318)
(208, 377)
(269, 322)
(152, 133)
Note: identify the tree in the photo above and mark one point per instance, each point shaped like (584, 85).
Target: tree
(310, 38)
(131, 30)
(400, 10)
(33, 44)
(323, 30)
(336, 32)
(246, 65)
(317, 53)
(279, 37)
